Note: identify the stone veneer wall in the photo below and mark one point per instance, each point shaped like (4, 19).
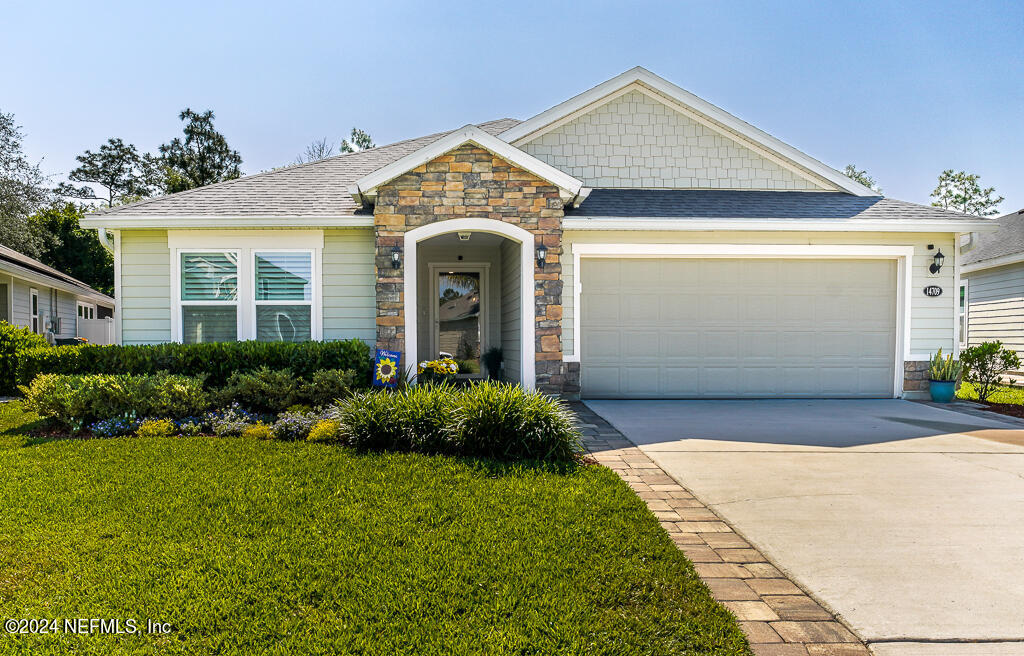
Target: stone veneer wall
(915, 378)
(471, 182)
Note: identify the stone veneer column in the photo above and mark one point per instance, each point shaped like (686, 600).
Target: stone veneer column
(471, 182)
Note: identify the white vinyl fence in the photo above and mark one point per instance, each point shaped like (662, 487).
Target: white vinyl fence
(97, 331)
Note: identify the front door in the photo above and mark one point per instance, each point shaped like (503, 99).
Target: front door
(458, 317)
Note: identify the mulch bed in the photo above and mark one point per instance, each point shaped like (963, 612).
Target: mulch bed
(1012, 409)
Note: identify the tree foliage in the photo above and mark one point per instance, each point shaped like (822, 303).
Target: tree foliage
(961, 191)
(861, 176)
(23, 190)
(201, 158)
(360, 141)
(72, 249)
(120, 169)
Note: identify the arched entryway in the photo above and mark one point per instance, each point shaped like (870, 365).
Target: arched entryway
(498, 267)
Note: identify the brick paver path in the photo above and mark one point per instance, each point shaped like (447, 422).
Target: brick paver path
(779, 618)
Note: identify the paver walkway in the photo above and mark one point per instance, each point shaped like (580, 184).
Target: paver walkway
(778, 617)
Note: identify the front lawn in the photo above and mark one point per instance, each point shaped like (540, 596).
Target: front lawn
(269, 547)
(1003, 394)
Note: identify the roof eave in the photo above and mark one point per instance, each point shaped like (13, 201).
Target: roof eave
(122, 222)
(771, 224)
(992, 263)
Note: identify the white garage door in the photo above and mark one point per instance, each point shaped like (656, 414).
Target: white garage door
(737, 328)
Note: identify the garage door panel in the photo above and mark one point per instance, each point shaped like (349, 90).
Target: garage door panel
(691, 328)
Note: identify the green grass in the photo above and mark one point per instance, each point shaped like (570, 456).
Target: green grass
(249, 547)
(1004, 394)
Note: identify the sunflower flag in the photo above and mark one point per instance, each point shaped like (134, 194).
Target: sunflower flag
(385, 368)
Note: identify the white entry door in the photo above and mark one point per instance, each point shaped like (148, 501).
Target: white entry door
(737, 328)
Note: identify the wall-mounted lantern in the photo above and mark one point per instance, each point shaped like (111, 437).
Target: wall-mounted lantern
(396, 257)
(937, 261)
(542, 256)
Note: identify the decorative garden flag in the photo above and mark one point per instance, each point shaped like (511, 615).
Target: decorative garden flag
(385, 368)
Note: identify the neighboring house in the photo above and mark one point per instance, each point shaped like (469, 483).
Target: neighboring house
(52, 303)
(634, 241)
(992, 286)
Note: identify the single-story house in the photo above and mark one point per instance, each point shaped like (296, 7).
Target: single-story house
(52, 303)
(634, 241)
(992, 285)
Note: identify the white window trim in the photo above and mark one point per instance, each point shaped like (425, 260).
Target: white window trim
(902, 254)
(245, 243)
(313, 302)
(962, 338)
(178, 319)
(34, 321)
(484, 269)
(85, 306)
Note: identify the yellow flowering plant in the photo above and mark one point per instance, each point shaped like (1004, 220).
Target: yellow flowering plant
(435, 371)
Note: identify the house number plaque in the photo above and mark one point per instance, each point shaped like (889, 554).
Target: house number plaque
(933, 290)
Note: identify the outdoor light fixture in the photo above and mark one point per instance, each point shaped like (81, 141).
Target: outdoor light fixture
(542, 255)
(937, 261)
(464, 236)
(396, 257)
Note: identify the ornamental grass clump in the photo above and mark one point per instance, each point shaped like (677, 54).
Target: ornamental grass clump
(372, 421)
(505, 421)
(425, 414)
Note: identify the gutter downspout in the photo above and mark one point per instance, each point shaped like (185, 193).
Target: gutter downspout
(105, 239)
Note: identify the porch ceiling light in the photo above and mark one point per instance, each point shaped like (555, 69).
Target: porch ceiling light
(542, 256)
(937, 260)
(464, 236)
(396, 257)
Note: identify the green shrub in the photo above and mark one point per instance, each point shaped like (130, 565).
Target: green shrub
(325, 430)
(14, 341)
(259, 431)
(76, 401)
(492, 420)
(156, 428)
(327, 386)
(985, 364)
(217, 360)
(263, 390)
(500, 420)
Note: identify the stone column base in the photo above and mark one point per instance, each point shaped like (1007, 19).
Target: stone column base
(915, 380)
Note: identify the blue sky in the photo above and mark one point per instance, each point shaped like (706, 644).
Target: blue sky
(902, 89)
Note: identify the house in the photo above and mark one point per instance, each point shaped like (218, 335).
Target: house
(991, 294)
(634, 241)
(52, 303)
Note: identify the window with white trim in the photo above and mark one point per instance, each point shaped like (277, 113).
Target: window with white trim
(86, 310)
(209, 296)
(283, 295)
(962, 313)
(34, 310)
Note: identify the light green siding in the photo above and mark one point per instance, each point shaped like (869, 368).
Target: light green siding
(349, 285)
(145, 287)
(511, 309)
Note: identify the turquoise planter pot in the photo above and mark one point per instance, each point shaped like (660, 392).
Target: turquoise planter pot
(942, 391)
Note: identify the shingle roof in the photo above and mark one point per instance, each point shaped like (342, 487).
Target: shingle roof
(739, 204)
(1008, 240)
(316, 189)
(20, 259)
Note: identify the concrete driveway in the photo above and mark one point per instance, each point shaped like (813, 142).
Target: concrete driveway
(905, 519)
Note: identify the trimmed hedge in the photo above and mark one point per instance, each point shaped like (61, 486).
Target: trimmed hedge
(217, 360)
(14, 342)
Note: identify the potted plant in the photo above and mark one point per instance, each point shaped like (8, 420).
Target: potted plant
(492, 362)
(942, 376)
(437, 371)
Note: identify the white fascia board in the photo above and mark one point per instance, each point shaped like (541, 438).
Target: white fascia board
(824, 225)
(367, 185)
(128, 222)
(1013, 258)
(55, 283)
(715, 114)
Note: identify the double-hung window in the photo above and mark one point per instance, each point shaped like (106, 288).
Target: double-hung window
(962, 313)
(209, 296)
(34, 294)
(283, 295)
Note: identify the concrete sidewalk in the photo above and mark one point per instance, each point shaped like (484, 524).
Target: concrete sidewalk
(906, 520)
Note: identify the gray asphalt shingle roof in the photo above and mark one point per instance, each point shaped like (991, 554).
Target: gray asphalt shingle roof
(316, 189)
(1008, 240)
(22, 260)
(739, 204)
